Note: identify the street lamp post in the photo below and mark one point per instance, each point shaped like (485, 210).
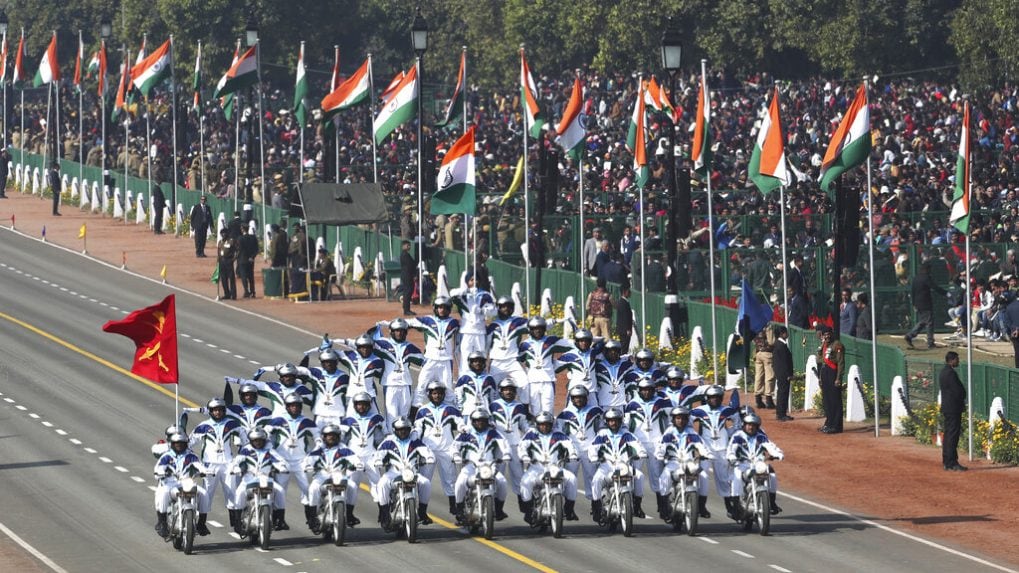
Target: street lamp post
(672, 49)
(251, 38)
(419, 40)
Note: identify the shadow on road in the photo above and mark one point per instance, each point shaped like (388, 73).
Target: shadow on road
(933, 519)
(27, 465)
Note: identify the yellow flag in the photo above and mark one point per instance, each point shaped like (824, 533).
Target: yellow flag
(162, 273)
(518, 180)
(81, 231)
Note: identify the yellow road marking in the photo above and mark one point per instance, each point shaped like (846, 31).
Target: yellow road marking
(160, 388)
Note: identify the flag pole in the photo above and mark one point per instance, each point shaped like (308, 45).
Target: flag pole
(300, 127)
(371, 110)
(711, 240)
(127, 124)
(583, 258)
(474, 218)
(46, 135)
(237, 147)
(102, 113)
(969, 295)
(201, 128)
(527, 203)
(173, 128)
(81, 121)
(261, 144)
(421, 238)
(5, 92)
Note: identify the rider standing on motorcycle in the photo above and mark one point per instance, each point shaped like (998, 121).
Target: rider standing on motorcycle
(579, 363)
(258, 456)
(397, 451)
(440, 332)
(539, 354)
(504, 335)
(398, 355)
(176, 464)
(480, 443)
(322, 461)
(277, 392)
(644, 368)
(540, 448)
(329, 385)
(475, 388)
(362, 433)
(580, 421)
(609, 372)
(363, 367)
(510, 417)
(475, 305)
(437, 423)
(744, 448)
(248, 413)
(647, 417)
(294, 436)
(216, 437)
(716, 424)
(615, 441)
(676, 445)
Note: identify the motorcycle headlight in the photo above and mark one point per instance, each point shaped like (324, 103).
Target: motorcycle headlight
(555, 472)
(408, 475)
(693, 468)
(485, 472)
(677, 476)
(336, 477)
(263, 481)
(623, 469)
(188, 485)
(760, 468)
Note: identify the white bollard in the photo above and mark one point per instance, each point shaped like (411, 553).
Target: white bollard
(570, 323)
(35, 182)
(253, 229)
(518, 305)
(320, 243)
(118, 209)
(995, 415)
(64, 182)
(359, 270)
(140, 210)
(546, 302)
(166, 218)
(97, 203)
(732, 380)
(855, 409)
(105, 200)
(74, 187)
(899, 410)
(17, 176)
(812, 385)
(441, 279)
(128, 201)
(180, 219)
(337, 259)
(696, 351)
(635, 342)
(380, 265)
(665, 334)
(83, 200)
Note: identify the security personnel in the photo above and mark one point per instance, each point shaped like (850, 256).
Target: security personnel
(674, 447)
(475, 306)
(745, 447)
(227, 256)
(363, 367)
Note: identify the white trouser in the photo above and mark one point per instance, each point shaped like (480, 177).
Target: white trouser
(440, 371)
(219, 475)
(447, 471)
(248, 481)
(585, 464)
(465, 481)
(722, 471)
(737, 480)
(542, 397)
(316, 489)
(503, 369)
(167, 488)
(515, 468)
(299, 476)
(471, 343)
(397, 403)
(386, 484)
(665, 481)
(533, 475)
(368, 475)
(603, 475)
(653, 470)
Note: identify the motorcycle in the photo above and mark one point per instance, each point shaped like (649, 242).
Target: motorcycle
(479, 504)
(332, 509)
(184, 515)
(617, 498)
(548, 498)
(755, 500)
(684, 500)
(403, 518)
(257, 516)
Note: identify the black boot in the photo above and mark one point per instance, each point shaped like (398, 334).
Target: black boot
(200, 527)
(423, 518)
(162, 529)
(730, 510)
(663, 506)
(769, 403)
(760, 401)
(702, 507)
(279, 520)
(500, 513)
(384, 515)
(569, 511)
(458, 511)
(527, 508)
(596, 513)
(775, 509)
(311, 518)
(452, 504)
(737, 509)
(233, 517)
(637, 510)
(352, 519)
(521, 505)
(239, 522)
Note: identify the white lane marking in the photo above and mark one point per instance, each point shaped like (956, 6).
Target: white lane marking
(138, 479)
(54, 285)
(282, 561)
(125, 312)
(707, 540)
(105, 460)
(198, 340)
(117, 308)
(103, 304)
(255, 362)
(33, 415)
(90, 450)
(64, 289)
(60, 432)
(152, 487)
(214, 523)
(211, 345)
(82, 296)
(742, 553)
(909, 536)
(234, 535)
(239, 357)
(8, 400)
(45, 282)
(185, 335)
(47, 424)
(120, 469)
(20, 407)
(73, 292)
(224, 351)
(92, 300)
(781, 569)
(35, 552)
(74, 441)
(35, 278)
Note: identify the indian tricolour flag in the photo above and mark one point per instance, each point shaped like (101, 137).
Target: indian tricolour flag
(351, 92)
(571, 130)
(77, 62)
(227, 102)
(196, 81)
(243, 73)
(768, 167)
(154, 68)
(101, 68)
(701, 151)
(300, 91)
(400, 108)
(638, 105)
(93, 65)
(960, 201)
(20, 76)
(456, 103)
(49, 70)
(529, 96)
(640, 167)
(850, 145)
(390, 89)
(3, 61)
(456, 182)
(656, 97)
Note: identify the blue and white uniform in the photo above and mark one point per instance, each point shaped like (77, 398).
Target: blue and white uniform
(611, 447)
(364, 374)
(321, 462)
(472, 447)
(743, 451)
(437, 425)
(392, 456)
(440, 346)
(248, 463)
(294, 437)
(172, 467)
(539, 355)
(475, 306)
(249, 417)
(217, 441)
(473, 391)
(541, 450)
(675, 447)
(510, 418)
(581, 425)
(276, 392)
(330, 390)
(715, 433)
(611, 385)
(362, 434)
(397, 380)
(504, 337)
(647, 420)
(579, 366)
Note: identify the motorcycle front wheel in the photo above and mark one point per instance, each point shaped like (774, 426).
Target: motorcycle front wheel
(626, 515)
(264, 529)
(488, 517)
(177, 533)
(339, 523)
(557, 516)
(692, 515)
(188, 531)
(763, 512)
(410, 522)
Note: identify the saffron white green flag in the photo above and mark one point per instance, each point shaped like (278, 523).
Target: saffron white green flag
(529, 96)
(456, 183)
(153, 69)
(701, 151)
(768, 167)
(351, 92)
(49, 71)
(640, 167)
(300, 91)
(850, 145)
(400, 108)
(571, 130)
(960, 200)
(456, 103)
(243, 73)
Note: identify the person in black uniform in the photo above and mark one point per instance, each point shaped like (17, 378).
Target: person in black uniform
(923, 302)
(227, 254)
(55, 186)
(158, 204)
(953, 402)
(408, 274)
(832, 358)
(247, 250)
(624, 317)
(5, 159)
(782, 364)
(201, 218)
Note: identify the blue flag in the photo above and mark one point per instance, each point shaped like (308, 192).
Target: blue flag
(757, 313)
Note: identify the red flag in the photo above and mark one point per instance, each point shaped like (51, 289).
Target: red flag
(154, 332)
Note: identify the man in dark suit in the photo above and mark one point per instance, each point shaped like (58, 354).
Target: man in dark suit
(54, 180)
(923, 303)
(624, 317)
(1010, 321)
(864, 330)
(246, 253)
(953, 402)
(795, 276)
(408, 274)
(227, 254)
(799, 310)
(158, 205)
(201, 219)
(782, 364)
(5, 159)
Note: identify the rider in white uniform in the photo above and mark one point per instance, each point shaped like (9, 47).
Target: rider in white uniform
(437, 424)
(744, 448)
(480, 443)
(174, 465)
(440, 332)
(362, 433)
(647, 416)
(539, 354)
(475, 306)
(716, 424)
(615, 442)
(216, 437)
(294, 436)
(674, 447)
(258, 456)
(581, 421)
(329, 385)
(540, 448)
(475, 388)
(505, 333)
(321, 462)
(398, 356)
(609, 372)
(398, 451)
